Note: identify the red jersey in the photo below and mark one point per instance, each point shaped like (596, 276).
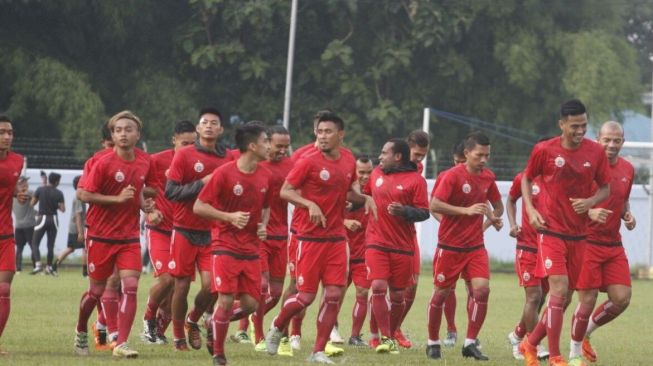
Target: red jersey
(528, 235)
(325, 182)
(231, 190)
(192, 163)
(356, 239)
(621, 181)
(460, 188)
(119, 223)
(88, 166)
(407, 188)
(566, 174)
(420, 167)
(299, 153)
(10, 168)
(161, 163)
(278, 224)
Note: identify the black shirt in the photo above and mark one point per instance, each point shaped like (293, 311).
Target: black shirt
(49, 199)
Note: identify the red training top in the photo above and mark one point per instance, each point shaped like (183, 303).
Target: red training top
(10, 168)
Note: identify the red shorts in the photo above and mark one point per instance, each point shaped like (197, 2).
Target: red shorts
(158, 245)
(235, 274)
(358, 274)
(103, 258)
(417, 261)
(396, 268)
(324, 262)
(603, 266)
(274, 255)
(557, 256)
(525, 262)
(448, 265)
(185, 257)
(292, 256)
(8, 254)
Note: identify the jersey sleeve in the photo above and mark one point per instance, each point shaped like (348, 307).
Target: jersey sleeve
(535, 164)
(299, 172)
(493, 194)
(176, 171)
(95, 178)
(515, 188)
(420, 195)
(151, 179)
(437, 183)
(444, 190)
(268, 192)
(602, 176)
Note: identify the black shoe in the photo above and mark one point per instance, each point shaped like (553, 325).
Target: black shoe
(209, 338)
(149, 331)
(473, 351)
(433, 352)
(85, 271)
(219, 360)
(357, 341)
(37, 269)
(55, 265)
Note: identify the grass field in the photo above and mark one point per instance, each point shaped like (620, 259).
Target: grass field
(44, 311)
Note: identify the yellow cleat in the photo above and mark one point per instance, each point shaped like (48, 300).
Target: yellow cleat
(261, 346)
(387, 345)
(284, 347)
(333, 351)
(576, 361)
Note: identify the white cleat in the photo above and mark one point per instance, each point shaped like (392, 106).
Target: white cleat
(335, 336)
(514, 344)
(123, 350)
(81, 343)
(542, 352)
(295, 342)
(273, 339)
(320, 357)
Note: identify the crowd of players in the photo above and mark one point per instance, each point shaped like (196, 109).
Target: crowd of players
(223, 214)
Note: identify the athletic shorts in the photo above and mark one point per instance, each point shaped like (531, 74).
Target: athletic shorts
(158, 245)
(358, 273)
(7, 253)
(185, 257)
(292, 256)
(324, 262)
(525, 262)
(236, 274)
(556, 256)
(603, 266)
(103, 258)
(392, 265)
(274, 256)
(73, 243)
(449, 264)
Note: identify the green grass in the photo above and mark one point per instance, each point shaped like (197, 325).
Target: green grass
(44, 311)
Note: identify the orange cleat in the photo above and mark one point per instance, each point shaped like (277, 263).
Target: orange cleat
(402, 340)
(588, 351)
(529, 351)
(557, 361)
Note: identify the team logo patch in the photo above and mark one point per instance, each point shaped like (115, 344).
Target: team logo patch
(218, 281)
(238, 189)
(324, 174)
(91, 267)
(535, 189)
(467, 188)
(120, 177)
(559, 161)
(526, 276)
(291, 266)
(300, 280)
(199, 167)
(400, 187)
(379, 181)
(587, 164)
(158, 265)
(15, 174)
(172, 265)
(440, 277)
(548, 263)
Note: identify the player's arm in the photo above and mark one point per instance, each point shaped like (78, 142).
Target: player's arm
(292, 195)
(494, 216)
(359, 199)
(62, 207)
(535, 219)
(629, 219)
(443, 208)
(261, 229)
(238, 219)
(35, 197)
(125, 195)
(176, 191)
(583, 205)
(511, 210)
(78, 222)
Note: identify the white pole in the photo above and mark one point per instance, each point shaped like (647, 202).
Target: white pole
(650, 196)
(425, 127)
(289, 66)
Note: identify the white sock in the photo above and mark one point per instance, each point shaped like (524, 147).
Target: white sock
(574, 349)
(469, 341)
(432, 343)
(591, 326)
(100, 326)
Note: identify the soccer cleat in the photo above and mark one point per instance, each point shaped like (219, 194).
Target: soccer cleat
(123, 350)
(473, 351)
(387, 345)
(433, 352)
(333, 351)
(529, 352)
(402, 340)
(149, 331)
(542, 353)
(335, 336)
(285, 348)
(373, 342)
(219, 360)
(451, 339)
(241, 337)
(37, 269)
(588, 351)
(557, 361)
(320, 357)
(194, 335)
(357, 341)
(514, 341)
(273, 339)
(161, 339)
(260, 346)
(576, 361)
(100, 338)
(81, 343)
(296, 342)
(180, 345)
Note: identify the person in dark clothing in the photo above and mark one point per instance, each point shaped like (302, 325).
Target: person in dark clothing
(75, 232)
(24, 224)
(50, 199)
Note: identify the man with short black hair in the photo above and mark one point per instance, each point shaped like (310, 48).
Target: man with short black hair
(50, 199)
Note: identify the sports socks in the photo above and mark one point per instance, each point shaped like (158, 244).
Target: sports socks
(5, 304)
(476, 311)
(450, 310)
(127, 308)
(358, 315)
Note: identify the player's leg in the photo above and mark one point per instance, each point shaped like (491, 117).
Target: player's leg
(39, 232)
(21, 240)
(182, 268)
(379, 271)
(110, 305)
(159, 251)
(202, 301)
(525, 269)
(7, 270)
(358, 275)
(450, 315)
(51, 232)
(128, 263)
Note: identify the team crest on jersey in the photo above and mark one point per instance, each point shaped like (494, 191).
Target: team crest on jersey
(218, 281)
(300, 280)
(559, 161)
(526, 276)
(158, 265)
(324, 174)
(587, 164)
(535, 189)
(91, 267)
(120, 176)
(467, 188)
(440, 277)
(238, 189)
(291, 266)
(15, 174)
(400, 187)
(379, 182)
(548, 263)
(172, 265)
(199, 167)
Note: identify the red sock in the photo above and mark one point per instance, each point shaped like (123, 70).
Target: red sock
(243, 324)
(296, 323)
(257, 317)
(358, 315)
(374, 326)
(100, 314)
(381, 312)
(605, 313)
(89, 301)
(450, 311)
(195, 315)
(326, 319)
(5, 304)
(150, 309)
(110, 304)
(127, 311)
(520, 330)
(163, 320)
(292, 307)
(409, 298)
(539, 332)
(579, 321)
(220, 329)
(178, 331)
(397, 310)
(554, 327)
(476, 311)
(435, 315)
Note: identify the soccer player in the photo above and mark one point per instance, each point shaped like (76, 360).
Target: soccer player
(50, 199)
(25, 216)
(605, 265)
(326, 180)
(461, 197)
(75, 231)
(238, 197)
(114, 187)
(157, 313)
(11, 165)
(399, 191)
(356, 224)
(190, 247)
(567, 166)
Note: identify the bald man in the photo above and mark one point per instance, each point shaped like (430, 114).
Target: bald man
(604, 265)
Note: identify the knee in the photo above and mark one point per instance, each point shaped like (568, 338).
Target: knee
(5, 289)
(397, 296)
(182, 285)
(481, 294)
(332, 293)
(622, 301)
(362, 292)
(130, 285)
(379, 286)
(249, 307)
(305, 298)
(533, 297)
(275, 291)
